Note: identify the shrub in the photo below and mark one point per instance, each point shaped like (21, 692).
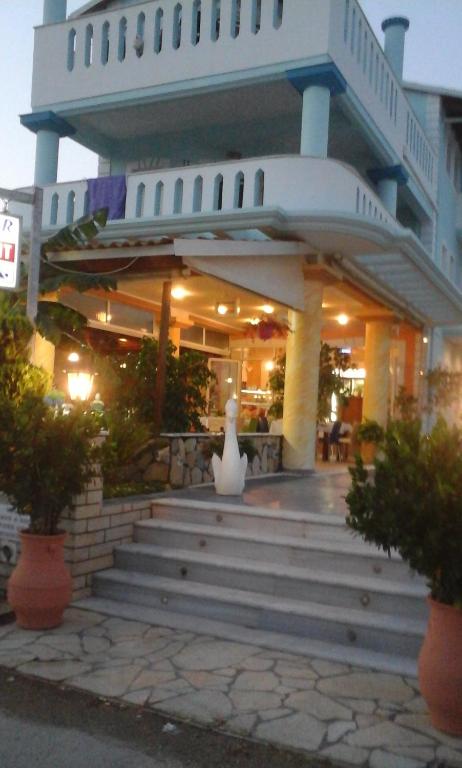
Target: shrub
(412, 503)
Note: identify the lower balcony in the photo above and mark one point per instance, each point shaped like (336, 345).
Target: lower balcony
(292, 184)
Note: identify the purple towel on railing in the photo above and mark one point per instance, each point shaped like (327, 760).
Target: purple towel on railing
(108, 192)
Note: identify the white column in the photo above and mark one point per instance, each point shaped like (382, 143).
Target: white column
(315, 121)
(302, 380)
(377, 363)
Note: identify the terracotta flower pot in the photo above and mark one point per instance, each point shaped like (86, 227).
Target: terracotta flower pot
(440, 667)
(40, 588)
(368, 452)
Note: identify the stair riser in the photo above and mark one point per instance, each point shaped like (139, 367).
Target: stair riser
(242, 521)
(269, 619)
(339, 562)
(277, 586)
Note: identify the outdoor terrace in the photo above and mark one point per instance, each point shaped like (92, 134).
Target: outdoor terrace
(156, 50)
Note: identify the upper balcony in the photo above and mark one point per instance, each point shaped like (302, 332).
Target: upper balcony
(160, 50)
(179, 199)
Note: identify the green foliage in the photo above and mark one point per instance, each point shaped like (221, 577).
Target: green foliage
(370, 431)
(444, 388)
(18, 377)
(406, 405)
(276, 384)
(133, 488)
(46, 459)
(187, 378)
(331, 362)
(412, 503)
(217, 444)
(126, 435)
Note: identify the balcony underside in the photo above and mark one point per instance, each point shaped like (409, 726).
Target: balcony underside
(269, 257)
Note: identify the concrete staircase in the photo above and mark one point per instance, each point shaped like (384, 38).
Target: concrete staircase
(287, 580)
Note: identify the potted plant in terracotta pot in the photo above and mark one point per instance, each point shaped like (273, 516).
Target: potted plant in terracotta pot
(369, 435)
(412, 503)
(46, 459)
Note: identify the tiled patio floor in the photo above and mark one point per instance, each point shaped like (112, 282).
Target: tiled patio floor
(353, 716)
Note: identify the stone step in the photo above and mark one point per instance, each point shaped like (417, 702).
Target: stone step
(349, 557)
(384, 662)
(406, 598)
(350, 627)
(276, 522)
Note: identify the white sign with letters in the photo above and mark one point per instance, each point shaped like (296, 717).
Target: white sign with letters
(10, 250)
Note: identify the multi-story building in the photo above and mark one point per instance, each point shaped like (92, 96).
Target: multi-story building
(267, 157)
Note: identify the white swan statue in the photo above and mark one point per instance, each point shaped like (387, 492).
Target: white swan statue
(229, 471)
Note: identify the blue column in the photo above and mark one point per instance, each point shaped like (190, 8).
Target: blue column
(315, 121)
(49, 128)
(316, 85)
(54, 11)
(46, 158)
(388, 180)
(387, 190)
(395, 29)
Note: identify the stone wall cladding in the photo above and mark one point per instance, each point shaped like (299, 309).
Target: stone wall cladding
(189, 464)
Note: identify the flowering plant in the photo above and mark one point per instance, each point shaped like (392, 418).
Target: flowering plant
(267, 328)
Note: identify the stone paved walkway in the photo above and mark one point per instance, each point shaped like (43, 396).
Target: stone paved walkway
(353, 716)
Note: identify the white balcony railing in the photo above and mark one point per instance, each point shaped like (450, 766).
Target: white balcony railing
(293, 184)
(94, 57)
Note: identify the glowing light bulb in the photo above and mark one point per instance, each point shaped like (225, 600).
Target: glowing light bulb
(342, 319)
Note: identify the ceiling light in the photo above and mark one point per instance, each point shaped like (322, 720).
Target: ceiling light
(425, 339)
(123, 340)
(252, 320)
(222, 309)
(268, 309)
(73, 357)
(342, 319)
(103, 317)
(178, 292)
(269, 365)
(229, 380)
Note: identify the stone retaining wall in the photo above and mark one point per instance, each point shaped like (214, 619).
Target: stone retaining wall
(189, 459)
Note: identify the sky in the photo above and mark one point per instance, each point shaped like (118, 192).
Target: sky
(433, 56)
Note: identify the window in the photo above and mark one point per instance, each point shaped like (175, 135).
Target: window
(278, 13)
(218, 193)
(177, 17)
(89, 45)
(239, 190)
(139, 39)
(140, 195)
(178, 196)
(158, 30)
(196, 22)
(71, 43)
(105, 43)
(159, 198)
(353, 30)
(70, 207)
(216, 20)
(346, 20)
(122, 49)
(197, 194)
(259, 193)
(54, 209)
(235, 18)
(256, 16)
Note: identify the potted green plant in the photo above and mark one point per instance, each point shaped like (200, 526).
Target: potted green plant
(46, 460)
(412, 503)
(369, 435)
